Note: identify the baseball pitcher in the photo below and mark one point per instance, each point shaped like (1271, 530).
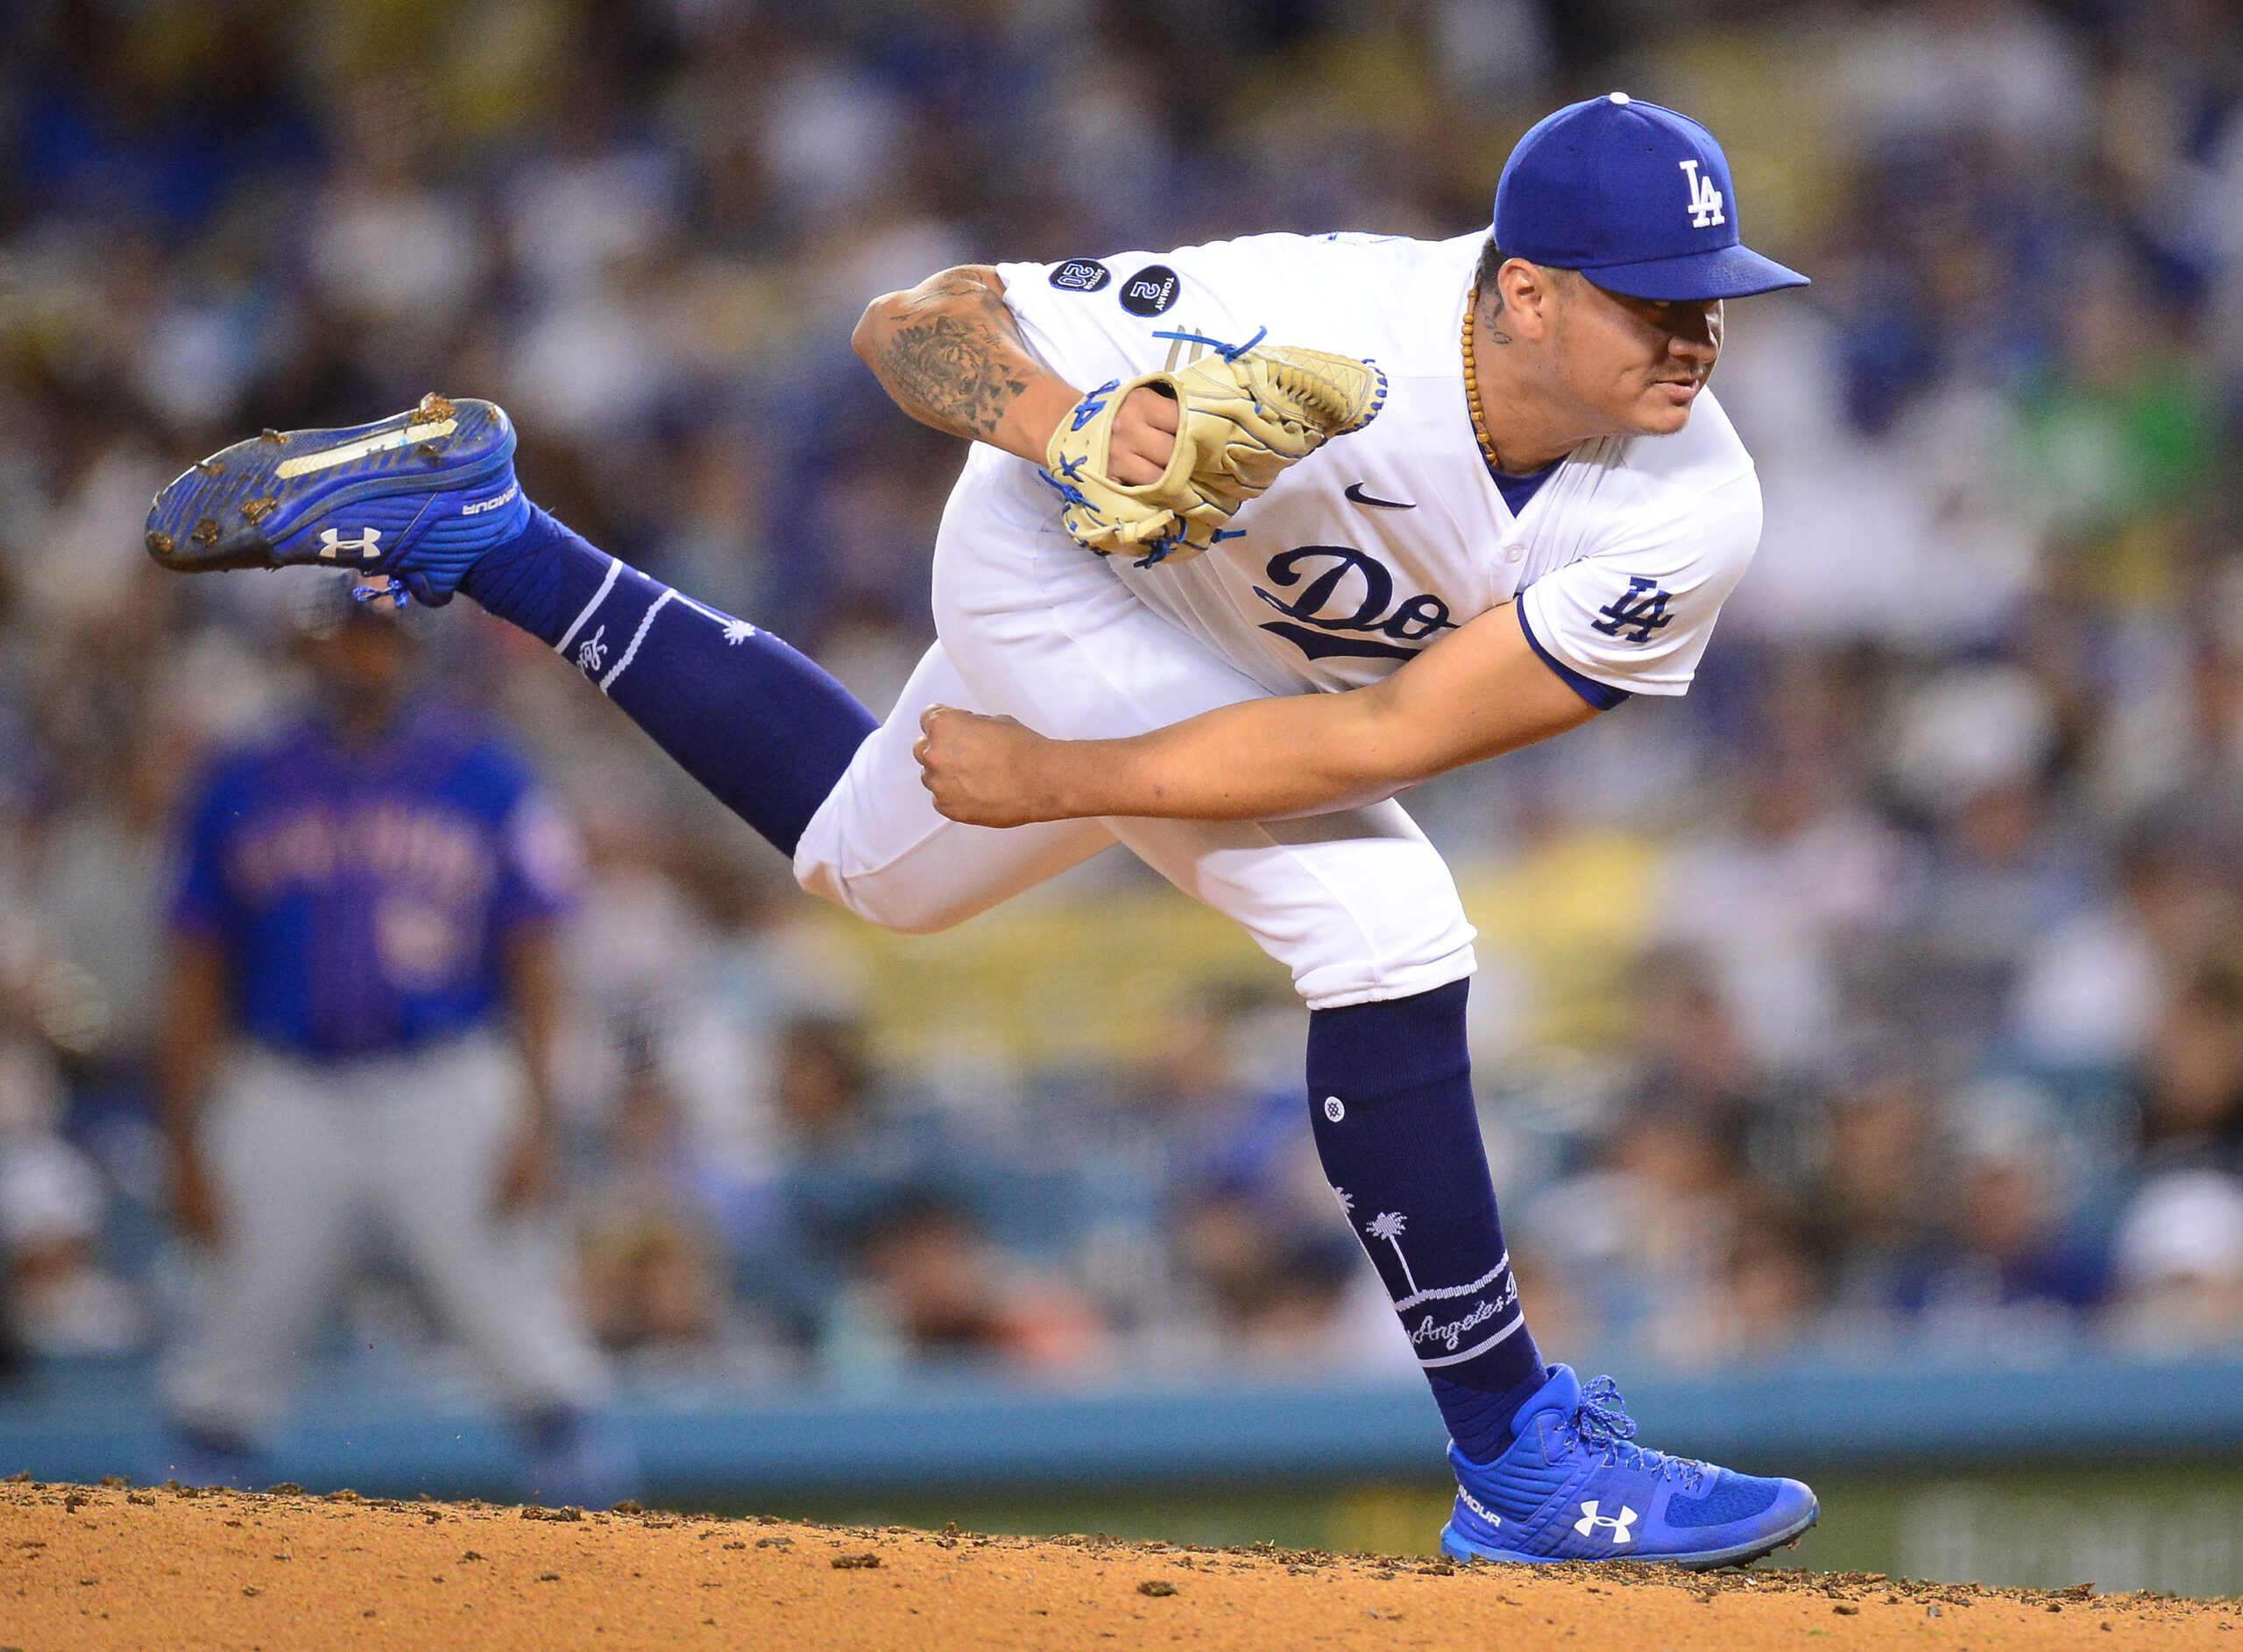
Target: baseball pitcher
(1252, 537)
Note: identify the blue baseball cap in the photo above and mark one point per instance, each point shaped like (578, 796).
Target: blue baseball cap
(1636, 197)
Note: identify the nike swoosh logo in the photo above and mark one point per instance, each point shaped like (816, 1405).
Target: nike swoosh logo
(1355, 493)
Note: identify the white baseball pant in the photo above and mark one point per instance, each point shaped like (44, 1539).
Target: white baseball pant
(1357, 904)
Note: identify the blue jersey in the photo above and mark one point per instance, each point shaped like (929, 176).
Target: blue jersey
(364, 895)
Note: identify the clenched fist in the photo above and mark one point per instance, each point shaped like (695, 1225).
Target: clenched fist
(1144, 436)
(984, 771)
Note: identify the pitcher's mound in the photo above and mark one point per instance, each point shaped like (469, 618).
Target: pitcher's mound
(111, 1566)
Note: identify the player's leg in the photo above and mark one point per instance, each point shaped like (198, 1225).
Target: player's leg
(436, 1130)
(774, 738)
(1359, 906)
(289, 1219)
(428, 498)
(753, 720)
(877, 847)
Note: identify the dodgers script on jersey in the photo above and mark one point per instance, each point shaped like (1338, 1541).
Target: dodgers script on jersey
(1383, 541)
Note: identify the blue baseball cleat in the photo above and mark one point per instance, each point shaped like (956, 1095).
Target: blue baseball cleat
(418, 497)
(1573, 1486)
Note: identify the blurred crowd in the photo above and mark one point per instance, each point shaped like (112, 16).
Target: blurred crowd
(1885, 993)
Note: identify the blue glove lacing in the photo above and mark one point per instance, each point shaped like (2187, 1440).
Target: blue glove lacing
(1094, 404)
(1228, 352)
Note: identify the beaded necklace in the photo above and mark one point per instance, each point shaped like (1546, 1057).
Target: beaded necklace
(1472, 387)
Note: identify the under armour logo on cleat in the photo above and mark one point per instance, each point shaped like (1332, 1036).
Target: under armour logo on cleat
(1478, 1508)
(332, 543)
(1590, 1519)
(477, 507)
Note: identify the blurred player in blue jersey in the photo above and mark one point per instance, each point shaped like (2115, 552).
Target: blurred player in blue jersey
(355, 1049)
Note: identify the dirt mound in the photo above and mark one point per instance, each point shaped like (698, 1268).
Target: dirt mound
(111, 1566)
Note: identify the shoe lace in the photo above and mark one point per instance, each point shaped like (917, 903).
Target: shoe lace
(1600, 1423)
(394, 592)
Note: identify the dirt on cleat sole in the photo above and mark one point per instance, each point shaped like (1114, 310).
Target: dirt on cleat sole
(229, 510)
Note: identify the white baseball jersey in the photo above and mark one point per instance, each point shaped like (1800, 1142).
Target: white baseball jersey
(1384, 540)
(1361, 554)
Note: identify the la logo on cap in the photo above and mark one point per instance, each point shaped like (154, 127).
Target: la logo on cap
(1705, 200)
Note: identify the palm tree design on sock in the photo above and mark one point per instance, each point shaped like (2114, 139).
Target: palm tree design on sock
(1346, 1201)
(1387, 1225)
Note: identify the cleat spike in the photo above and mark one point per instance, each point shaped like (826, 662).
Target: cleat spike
(209, 467)
(159, 543)
(270, 435)
(206, 532)
(429, 450)
(433, 409)
(256, 509)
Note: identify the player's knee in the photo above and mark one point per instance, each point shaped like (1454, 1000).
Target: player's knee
(926, 917)
(1411, 942)
(893, 906)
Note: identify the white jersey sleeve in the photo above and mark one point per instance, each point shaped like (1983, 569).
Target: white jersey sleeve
(1072, 316)
(1090, 319)
(1635, 613)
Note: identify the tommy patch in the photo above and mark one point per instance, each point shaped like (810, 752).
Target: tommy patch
(1151, 291)
(1080, 275)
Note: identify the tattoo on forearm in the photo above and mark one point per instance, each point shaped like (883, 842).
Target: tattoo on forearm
(962, 364)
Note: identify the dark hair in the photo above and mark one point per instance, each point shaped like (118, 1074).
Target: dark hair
(1491, 259)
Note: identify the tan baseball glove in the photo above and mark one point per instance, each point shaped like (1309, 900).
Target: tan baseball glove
(1242, 416)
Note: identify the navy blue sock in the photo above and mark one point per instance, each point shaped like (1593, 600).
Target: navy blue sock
(756, 723)
(1391, 1097)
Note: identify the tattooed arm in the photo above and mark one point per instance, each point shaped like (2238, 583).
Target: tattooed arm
(950, 353)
